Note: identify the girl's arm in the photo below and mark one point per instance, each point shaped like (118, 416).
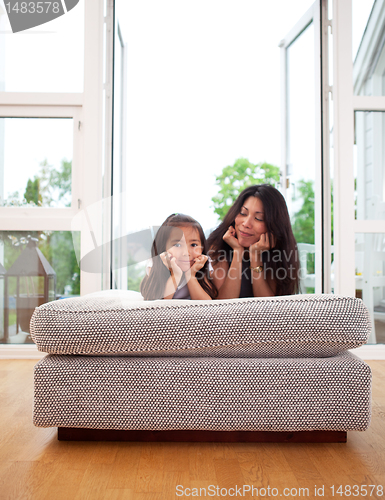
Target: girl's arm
(227, 278)
(175, 276)
(195, 290)
(170, 288)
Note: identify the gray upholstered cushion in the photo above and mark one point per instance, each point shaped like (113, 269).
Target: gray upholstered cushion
(202, 393)
(292, 326)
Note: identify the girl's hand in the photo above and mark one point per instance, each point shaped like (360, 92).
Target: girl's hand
(231, 239)
(199, 262)
(265, 242)
(170, 262)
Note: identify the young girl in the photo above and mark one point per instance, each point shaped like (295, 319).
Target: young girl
(180, 266)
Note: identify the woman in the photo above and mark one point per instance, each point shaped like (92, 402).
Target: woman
(253, 250)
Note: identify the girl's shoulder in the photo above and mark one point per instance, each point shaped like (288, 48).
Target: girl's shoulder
(149, 265)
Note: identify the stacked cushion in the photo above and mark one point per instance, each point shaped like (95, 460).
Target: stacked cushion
(202, 393)
(120, 323)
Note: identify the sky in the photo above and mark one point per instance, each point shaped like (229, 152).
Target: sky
(203, 90)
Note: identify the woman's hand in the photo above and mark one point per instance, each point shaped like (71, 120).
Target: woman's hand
(267, 241)
(170, 262)
(231, 239)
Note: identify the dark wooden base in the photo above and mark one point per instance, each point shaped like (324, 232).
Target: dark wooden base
(77, 434)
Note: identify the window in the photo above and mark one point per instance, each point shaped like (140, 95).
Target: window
(203, 94)
(40, 150)
(51, 138)
(48, 58)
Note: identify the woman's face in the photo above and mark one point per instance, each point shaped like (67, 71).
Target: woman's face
(249, 223)
(186, 248)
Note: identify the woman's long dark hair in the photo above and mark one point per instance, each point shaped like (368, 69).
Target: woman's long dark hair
(282, 261)
(152, 286)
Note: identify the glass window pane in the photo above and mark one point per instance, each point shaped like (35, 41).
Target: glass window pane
(301, 150)
(196, 104)
(27, 285)
(36, 161)
(370, 280)
(48, 58)
(368, 47)
(369, 156)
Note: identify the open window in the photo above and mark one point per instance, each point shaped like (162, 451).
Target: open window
(304, 139)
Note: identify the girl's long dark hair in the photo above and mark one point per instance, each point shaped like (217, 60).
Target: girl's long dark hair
(152, 286)
(282, 261)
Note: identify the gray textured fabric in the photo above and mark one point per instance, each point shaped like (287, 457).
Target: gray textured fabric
(292, 326)
(202, 393)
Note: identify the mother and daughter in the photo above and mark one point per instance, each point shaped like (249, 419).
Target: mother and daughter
(252, 253)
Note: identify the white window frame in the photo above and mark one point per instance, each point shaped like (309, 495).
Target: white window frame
(65, 106)
(90, 138)
(322, 223)
(119, 275)
(345, 104)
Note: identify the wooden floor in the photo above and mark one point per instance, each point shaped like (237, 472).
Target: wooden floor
(35, 465)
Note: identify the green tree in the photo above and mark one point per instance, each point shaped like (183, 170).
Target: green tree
(235, 178)
(303, 220)
(63, 260)
(135, 274)
(50, 185)
(61, 180)
(32, 191)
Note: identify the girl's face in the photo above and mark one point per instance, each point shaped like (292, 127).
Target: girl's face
(249, 223)
(184, 249)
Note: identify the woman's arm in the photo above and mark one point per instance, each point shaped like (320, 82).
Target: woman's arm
(263, 285)
(227, 278)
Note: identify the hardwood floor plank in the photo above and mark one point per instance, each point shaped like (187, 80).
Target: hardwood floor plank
(64, 484)
(125, 470)
(300, 459)
(252, 468)
(26, 480)
(172, 479)
(104, 453)
(25, 442)
(148, 496)
(119, 494)
(270, 454)
(228, 472)
(265, 467)
(150, 470)
(200, 461)
(94, 481)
